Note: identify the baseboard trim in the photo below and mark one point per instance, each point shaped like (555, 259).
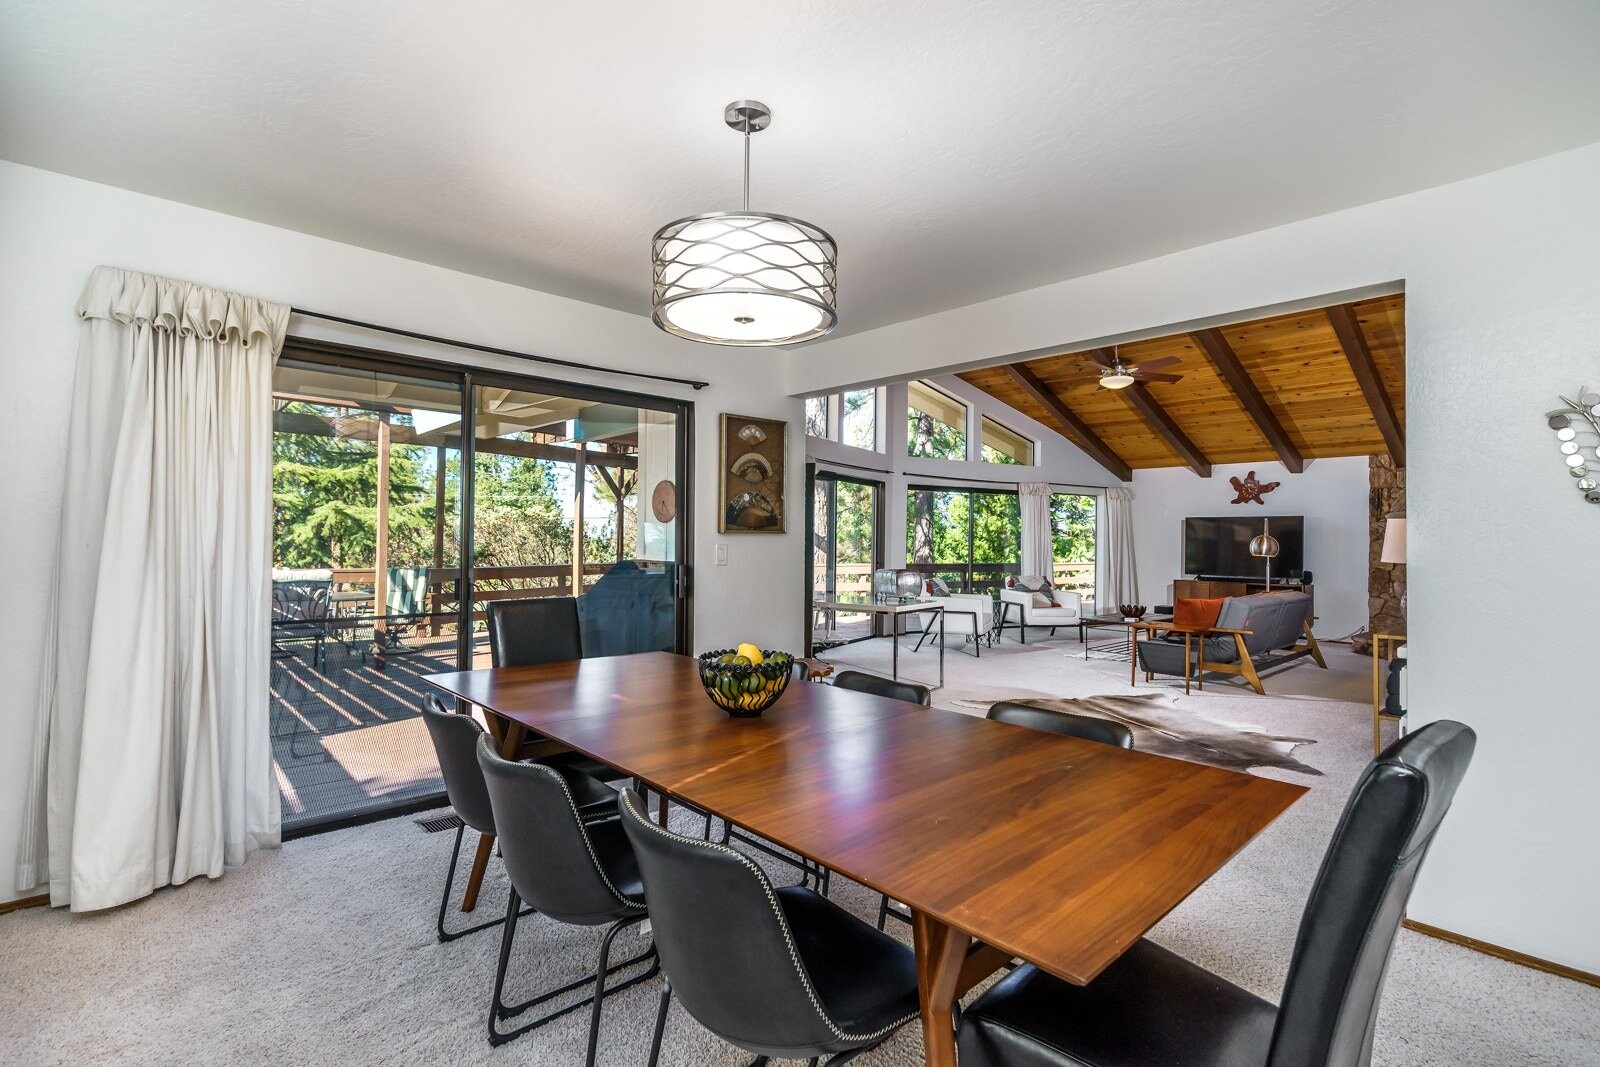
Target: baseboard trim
(25, 902)
(1507, 954)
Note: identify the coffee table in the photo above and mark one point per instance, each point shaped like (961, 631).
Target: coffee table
(1122, 647)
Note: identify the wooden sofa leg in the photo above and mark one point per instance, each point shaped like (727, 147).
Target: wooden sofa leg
(1248, 668)
(1311, 643)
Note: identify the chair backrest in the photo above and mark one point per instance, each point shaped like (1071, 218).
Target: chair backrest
(540, 630)
(1087, 727)
(1330, 1000)
(301, 599)
(862, 682)
(547, 852)
(723, 939)
(455, 743)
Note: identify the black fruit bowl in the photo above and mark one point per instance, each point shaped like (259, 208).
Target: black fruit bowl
(745, 691)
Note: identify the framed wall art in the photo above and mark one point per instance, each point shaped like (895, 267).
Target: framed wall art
(754, 465)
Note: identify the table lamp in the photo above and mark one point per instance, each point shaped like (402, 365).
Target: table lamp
(1394, 548)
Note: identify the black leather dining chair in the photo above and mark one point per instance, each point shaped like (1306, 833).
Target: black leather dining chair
(537, 630)
(862, 682)
(1065, 723)
(583, 874)
(455, 743)
(777, 971)
(1153, 1006)
(526, 633)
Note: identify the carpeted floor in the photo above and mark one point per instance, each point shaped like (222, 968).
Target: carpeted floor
(323, 952)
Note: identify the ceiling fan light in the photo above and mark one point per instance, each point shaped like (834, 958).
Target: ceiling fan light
(1115, 379)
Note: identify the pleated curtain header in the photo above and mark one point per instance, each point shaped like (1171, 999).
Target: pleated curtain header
(185, 308)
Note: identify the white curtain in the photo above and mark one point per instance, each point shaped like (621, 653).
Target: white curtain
(1038, 550)
(1119, 572)
(153, 762)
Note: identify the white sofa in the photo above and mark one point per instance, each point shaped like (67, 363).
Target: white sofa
(1068, 612)
(969, 615)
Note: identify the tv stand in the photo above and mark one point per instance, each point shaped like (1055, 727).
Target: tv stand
(1212, 588)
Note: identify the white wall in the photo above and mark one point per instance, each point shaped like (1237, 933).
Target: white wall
(1331, 494)
(1058, 461)
(1502, 282)
(54, 230)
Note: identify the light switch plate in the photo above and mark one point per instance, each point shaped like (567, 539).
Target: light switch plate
(722, 555)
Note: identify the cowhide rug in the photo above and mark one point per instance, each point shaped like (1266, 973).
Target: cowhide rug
(1165, 730)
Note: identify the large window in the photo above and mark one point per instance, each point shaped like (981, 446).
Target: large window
(970, 538)
(1003, 445)
(1072, 528)
(936, 423)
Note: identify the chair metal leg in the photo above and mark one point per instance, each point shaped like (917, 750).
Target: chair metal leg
(661, 1022)
(600, 973)
(444, 902)
(498, 1009)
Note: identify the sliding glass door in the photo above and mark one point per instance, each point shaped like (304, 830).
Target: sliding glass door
(388, 541)
(577, 496)
(366, 491)
(846, 547)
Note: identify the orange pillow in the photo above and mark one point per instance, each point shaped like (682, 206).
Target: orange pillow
(1197, 612)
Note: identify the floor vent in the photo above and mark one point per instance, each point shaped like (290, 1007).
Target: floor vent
(438, 823)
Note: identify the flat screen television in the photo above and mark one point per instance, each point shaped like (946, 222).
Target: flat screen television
(1219, 547)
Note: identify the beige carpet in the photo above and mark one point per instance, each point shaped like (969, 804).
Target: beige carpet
(323, 952)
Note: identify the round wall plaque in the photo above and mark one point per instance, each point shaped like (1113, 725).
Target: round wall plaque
(664, 501)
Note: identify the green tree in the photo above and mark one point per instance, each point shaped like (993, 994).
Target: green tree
(325, 495)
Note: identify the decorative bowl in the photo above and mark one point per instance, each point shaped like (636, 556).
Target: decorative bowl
(1132, 611)
(745, 690)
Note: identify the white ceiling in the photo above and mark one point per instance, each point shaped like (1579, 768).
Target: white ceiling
(957, 150)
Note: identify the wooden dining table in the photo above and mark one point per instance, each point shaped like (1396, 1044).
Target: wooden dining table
(1002, 841)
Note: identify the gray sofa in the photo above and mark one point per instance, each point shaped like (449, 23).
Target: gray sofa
(1252, 634)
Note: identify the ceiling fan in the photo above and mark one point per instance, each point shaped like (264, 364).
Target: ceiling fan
(1115, 374)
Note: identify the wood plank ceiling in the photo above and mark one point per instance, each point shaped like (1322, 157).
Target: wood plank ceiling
(1309, 385)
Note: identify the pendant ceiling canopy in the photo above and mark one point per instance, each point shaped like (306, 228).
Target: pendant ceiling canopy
(744, 277)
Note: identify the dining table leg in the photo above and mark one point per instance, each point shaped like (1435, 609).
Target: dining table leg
(510, 735)
(941, 954)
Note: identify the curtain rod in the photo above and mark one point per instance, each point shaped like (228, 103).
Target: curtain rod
(492, 350)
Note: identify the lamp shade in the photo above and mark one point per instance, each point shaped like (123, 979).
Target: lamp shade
(1264, 545)
(744, 278)
(1394, 541)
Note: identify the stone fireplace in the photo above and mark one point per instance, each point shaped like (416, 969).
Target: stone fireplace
(1386, 582)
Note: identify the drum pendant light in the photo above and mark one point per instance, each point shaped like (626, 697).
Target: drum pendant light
(744, 277)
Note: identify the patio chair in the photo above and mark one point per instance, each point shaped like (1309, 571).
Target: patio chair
(300, 610)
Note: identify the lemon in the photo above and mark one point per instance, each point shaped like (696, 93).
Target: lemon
(750, 652)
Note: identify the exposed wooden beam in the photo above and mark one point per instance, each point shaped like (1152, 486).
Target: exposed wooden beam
(1222, 357)
(1354, 343)
(1138, 395)
(1069, 422)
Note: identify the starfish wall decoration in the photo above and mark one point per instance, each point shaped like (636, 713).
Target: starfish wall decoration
(1250, 489)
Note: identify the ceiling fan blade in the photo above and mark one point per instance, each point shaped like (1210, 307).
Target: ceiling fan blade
(1159, 362)
(1103, 356)
(1148, 376)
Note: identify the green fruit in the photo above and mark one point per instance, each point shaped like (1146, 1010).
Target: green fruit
(742, 661)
